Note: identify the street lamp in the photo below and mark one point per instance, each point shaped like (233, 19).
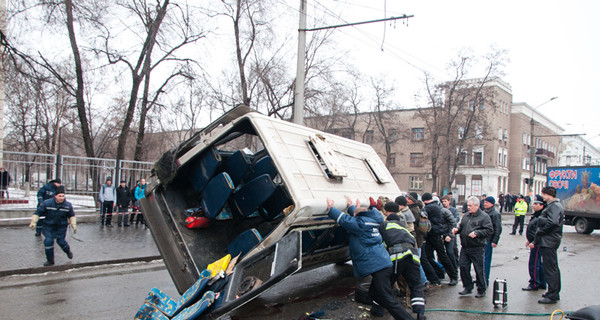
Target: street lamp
(532, 149)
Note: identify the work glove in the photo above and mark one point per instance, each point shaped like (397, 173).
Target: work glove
(73, 222)
(34, 219)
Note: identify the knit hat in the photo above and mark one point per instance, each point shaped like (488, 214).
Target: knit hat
(538, 199)
(490, 199)
(391, 207)
(551, 191)
(401, 201)
(57, 180)
(60, 189)
(426, 196)
(108, 179)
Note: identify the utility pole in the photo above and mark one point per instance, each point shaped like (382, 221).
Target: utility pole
(298, 114)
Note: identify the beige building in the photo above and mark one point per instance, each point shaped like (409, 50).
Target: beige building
(547, 145)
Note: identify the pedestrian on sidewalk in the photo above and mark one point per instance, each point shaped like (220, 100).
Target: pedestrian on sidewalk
(107, 198)
(4, 182)
(46, 192)
(58, 215)
(140, 193)
(123, 201)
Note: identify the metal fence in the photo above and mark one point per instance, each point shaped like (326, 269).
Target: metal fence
(79, 175)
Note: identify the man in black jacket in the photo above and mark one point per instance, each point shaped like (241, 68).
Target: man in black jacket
(123, 199)
(537, 279)
(548, 237)
(474, 229)
(492, 242)
(434, 240)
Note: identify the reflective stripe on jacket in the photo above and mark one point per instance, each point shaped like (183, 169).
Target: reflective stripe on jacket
(520, 208)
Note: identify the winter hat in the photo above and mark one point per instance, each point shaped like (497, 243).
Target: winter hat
(551, 191)
(57, 180)
(538, 199)
(415, 196)
(59, 190)
(490, 199)
(108, 179)
(426, 196)
(391, 207)
(401, 201)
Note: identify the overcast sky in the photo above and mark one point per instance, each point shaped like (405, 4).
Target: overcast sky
(553, 48)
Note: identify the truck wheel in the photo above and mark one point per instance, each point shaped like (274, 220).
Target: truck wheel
(583, 226)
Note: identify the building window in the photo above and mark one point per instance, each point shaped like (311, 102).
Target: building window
(415, 183)
(505, 135)
(499, 157)
(343, 132)
(525, 140)
(418, 134)
(391, 160)
(416, 159)
(500, 134)
(369, 136)
(392, 134)
(462, 158)
(477, 158)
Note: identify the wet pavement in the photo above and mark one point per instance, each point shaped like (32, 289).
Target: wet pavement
(22, 252)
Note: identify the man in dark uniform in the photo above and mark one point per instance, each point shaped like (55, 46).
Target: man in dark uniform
(58, 215)
(537, 279)
(548, 237)
(46, 192)
(492, 241)
(402, 246)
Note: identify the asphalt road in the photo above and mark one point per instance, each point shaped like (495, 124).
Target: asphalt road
(117, 291)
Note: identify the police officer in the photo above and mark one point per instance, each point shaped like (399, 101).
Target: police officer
(44, 193)
(402, 247)
(58, 215)
(520, 211)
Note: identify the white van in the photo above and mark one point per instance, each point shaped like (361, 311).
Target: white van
(255, 180)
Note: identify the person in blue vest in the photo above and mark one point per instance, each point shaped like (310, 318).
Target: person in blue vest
(46, 192)
(368, 254)
(58, 215)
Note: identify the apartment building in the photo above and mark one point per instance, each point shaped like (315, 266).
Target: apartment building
(578, 152)
(546, 146)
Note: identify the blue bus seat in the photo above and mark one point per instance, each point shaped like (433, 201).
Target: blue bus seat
(274, 205)
(150, 311)
(215, 194)
(250, 196)
(171, 307)
(237, 166)
(204, 169)
(264, 165)
(244, 242)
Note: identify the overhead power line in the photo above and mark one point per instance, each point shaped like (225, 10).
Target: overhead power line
(357, 23)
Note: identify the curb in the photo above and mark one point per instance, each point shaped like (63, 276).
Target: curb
(64, 267)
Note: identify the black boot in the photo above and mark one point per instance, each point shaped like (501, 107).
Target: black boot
(49, 263)
(70, 254)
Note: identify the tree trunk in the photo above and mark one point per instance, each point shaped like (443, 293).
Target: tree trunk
(88, 143)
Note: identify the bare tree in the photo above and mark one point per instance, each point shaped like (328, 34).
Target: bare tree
(380, 116)
(454, 119)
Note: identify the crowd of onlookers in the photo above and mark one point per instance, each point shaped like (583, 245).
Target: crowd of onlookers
(422, 234)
